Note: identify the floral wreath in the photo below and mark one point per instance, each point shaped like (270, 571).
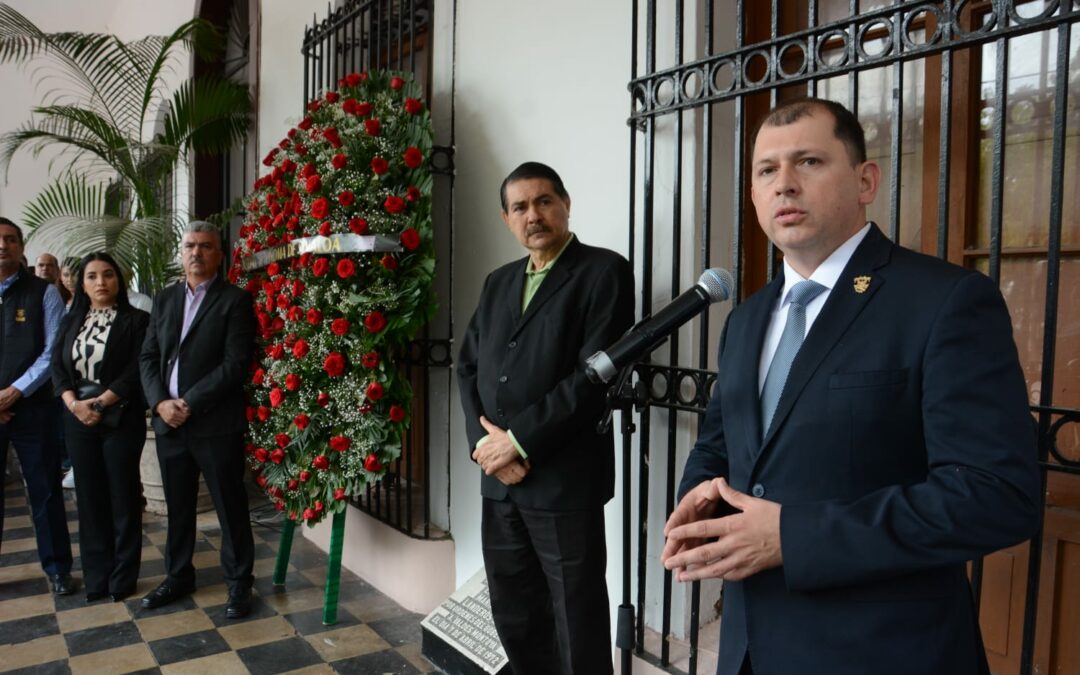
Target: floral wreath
(328, 404)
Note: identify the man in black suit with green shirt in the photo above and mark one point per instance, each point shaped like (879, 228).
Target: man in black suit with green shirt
(531, 418)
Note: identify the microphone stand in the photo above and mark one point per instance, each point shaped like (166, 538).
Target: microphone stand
(624, 395)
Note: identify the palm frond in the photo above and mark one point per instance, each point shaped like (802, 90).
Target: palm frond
(72, 197)
(208, 115)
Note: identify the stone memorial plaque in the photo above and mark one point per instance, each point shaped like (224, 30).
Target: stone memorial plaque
(463, 624)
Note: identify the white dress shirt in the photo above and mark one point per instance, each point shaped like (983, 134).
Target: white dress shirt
(826, 274)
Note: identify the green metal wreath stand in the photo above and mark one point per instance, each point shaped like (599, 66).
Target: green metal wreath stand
(333, 565)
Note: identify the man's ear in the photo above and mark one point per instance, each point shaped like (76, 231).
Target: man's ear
(869, 181)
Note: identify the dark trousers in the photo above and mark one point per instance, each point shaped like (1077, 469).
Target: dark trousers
(33, 433)
(109, 492)
(221, 461)
(546, 577)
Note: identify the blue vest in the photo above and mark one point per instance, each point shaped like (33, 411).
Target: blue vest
(22, 331)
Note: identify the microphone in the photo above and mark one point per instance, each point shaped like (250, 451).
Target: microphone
(714, 286)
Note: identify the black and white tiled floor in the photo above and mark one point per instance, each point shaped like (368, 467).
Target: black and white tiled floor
(42, 633)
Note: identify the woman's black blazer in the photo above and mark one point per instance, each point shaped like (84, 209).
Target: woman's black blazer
(120, 365)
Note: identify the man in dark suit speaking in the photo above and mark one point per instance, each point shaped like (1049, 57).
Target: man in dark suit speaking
(867, 435)
(193, 365)
(531, 418)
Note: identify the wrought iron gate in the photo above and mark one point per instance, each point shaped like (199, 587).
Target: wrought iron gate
(362, 35)
(726, 62)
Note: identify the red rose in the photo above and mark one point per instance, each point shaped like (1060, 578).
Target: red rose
(273, 268)
(394, 204)
(309, 514)
(263, 413)
(370, 360)
(304, 476)
(319, 208)
(413, 106)
(277, 456)
(292, 224)
(346, 268)
(292, 484)
(410, 238)
(282, 301)
(396, 83)
(288, 166)
(261, 454)
(412, 193)
(339, 494)
(349, 106)
(308, 170)
(305, 258)
(389, 262)
(354, 79)
(321, 462)
(324, 228)
(314, 316)
(249, 414)
(363, 109)
(257, 376)
(332, 97)
(371, 463)
(292, 514)
(334, 365)
(297, 288)
(276, 397)
(339, 161)
(357, 225)
(295, 313)
(292, 381)
(269, 159)
(318, 507)
(374, 391)
(339, 443)
(339, 326)
(372, 126)
(413, 157)
(313, 183)
(301, 421)
(282, 440)
(374, 322)
(397, 413)
(379, 165)
(322, 400)
(300, 349)
(346, 198)
(320, 267)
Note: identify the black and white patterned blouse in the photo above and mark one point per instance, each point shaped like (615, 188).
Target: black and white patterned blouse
(88, 350)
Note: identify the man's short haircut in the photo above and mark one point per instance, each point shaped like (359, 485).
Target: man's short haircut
(533, 170)
(18, 230)
(847, 128)
(204, 226)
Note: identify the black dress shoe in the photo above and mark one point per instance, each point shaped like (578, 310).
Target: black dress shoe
(120, 597)
(165, 593)
(239, 604)
(94, 596)
(62, 584)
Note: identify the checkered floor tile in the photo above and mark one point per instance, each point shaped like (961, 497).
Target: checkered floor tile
(42, 633)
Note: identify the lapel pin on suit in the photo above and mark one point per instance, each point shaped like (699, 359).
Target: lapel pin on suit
(861, 284)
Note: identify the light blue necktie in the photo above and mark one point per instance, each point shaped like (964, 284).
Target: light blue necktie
(792, 338)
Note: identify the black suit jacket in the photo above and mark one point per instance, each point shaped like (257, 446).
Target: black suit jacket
(215, 357)
(525, 372)
(902, 447)
(120, 363)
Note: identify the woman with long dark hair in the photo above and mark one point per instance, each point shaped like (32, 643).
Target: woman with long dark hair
(95, 370)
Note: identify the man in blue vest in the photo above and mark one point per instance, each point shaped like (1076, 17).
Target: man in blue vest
(30, 312)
